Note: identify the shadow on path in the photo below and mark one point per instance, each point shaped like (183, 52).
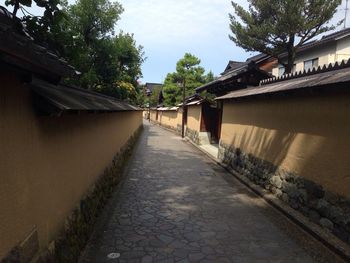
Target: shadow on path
(175, 205)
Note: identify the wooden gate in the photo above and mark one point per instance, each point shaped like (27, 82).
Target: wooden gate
(211, 121)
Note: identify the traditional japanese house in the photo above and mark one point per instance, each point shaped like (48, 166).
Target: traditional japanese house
(237, 75)
(199, 116)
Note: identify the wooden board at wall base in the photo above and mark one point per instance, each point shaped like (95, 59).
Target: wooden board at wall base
(25, 250)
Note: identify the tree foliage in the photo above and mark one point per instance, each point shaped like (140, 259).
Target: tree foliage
(189, 74)
(46, 28)
(274, 27)
(83, 33)
(94, 19)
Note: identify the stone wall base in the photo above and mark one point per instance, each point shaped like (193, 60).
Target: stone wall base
(192, 135)
(79, 225)
(199, 138)
(204, 138)
(179, 128)
(325, 208)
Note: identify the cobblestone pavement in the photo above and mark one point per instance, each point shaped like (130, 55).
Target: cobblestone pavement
(175, 205)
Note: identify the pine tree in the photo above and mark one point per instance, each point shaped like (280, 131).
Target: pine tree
(276, 27)
(188, 73)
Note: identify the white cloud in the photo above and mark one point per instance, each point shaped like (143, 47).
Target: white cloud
(169, 28)
(171, 21)
(176, 22)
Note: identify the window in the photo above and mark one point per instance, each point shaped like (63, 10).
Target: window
(281, 70)
(310, 64)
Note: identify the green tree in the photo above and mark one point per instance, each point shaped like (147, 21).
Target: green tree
(274, 27)
(83, 33)
(19, 4)
(171, 90)
(109, 63)
(130, 57)
(89, 27)
(94, 19)
(188, 74)
(46, 28)
(209, 77)
(117, 61)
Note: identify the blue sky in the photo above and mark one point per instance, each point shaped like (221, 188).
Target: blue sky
(167, 29)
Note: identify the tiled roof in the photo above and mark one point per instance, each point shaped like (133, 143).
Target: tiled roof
(195, 102)
(167, 108)
(18, 49)
(258, 58)
(333, 74)
(234, 65)
(52, 99)
(233, 74)
(193, 97)
(151, 86)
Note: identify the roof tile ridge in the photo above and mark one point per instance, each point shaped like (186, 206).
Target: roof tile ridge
(316, 70)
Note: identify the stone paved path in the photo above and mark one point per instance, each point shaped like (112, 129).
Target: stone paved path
(175, 206)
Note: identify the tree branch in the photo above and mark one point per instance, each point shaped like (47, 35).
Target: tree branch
(15, 9)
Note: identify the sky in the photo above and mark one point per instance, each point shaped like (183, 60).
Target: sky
(167, 29)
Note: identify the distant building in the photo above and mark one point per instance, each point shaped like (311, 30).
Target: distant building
(240, 75)
(149, 88)
(329, 49)
(263, 61)
(237, 75)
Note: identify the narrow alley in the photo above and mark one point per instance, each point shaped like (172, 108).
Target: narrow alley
(176, 205)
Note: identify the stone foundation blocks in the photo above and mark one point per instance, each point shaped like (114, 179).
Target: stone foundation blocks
(322, 207)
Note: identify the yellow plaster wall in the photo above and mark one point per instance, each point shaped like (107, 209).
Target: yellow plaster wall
(179, 116)
(307, 135)
(154, 115)
(48, 163)
(194, 117)
(145, 114)
(170, 118)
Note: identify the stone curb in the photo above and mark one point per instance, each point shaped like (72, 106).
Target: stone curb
(326, 238)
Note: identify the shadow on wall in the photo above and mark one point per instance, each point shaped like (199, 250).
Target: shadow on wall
(48, 163)
(306, 135)
(260, 142)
